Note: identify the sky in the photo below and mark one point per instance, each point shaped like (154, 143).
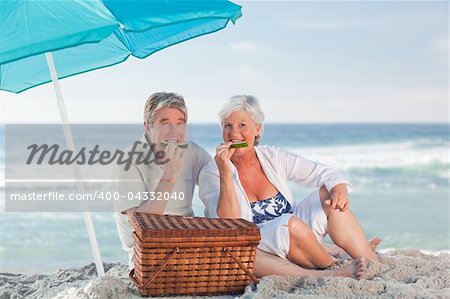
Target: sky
(307, 62)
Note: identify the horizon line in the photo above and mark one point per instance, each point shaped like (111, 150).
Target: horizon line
(265, 123)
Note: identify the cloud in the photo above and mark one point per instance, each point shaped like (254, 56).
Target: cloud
(248, 72)
(244, 46)
(377, 104)
(337, 104)
(334, 25)
(243, 74)
(441, 44)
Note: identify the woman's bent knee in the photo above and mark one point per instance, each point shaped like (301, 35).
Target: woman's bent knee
(298, 230)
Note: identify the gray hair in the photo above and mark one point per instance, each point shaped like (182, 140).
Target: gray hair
(247, 103)
(161, 100)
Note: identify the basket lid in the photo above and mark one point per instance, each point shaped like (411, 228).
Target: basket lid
(150, 226)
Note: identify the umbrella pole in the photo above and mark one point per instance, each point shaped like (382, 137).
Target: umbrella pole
(71, 147)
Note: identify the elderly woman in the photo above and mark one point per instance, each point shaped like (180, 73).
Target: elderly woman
(251, 182)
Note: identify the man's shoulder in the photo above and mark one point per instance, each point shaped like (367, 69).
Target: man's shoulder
(198, 150)
(195, 146)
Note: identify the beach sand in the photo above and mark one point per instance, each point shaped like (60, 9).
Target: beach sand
(405, 273)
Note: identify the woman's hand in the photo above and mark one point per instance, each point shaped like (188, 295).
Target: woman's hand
(223, 156)
(339, 198)
(228, 206)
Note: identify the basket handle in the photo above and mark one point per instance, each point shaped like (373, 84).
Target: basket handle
(243, 267)
(131, 276)
(151, 278)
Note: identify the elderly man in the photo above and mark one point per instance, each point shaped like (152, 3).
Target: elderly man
(166, 184)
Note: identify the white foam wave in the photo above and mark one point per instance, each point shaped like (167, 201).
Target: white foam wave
(37, 217)
(393, 155)
(424, 251)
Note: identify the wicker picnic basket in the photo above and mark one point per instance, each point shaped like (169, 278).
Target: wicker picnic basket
(178, 255)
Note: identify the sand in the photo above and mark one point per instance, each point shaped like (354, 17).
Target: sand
(406, 273)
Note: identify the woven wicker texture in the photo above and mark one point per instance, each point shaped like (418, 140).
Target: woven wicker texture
(164, 226)
(176, 255)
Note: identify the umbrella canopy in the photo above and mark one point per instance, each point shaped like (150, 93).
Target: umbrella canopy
(87, 35)
(44, 40)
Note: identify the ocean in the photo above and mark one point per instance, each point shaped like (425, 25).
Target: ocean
(399, 172)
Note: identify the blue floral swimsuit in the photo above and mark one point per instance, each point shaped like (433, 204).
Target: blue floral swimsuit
(270, 208)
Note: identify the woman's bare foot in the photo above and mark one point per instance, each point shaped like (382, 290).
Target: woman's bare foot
(356, 269)
(374, 242)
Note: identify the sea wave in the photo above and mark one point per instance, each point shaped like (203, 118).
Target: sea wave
(424, 251)
(420, 153)
(402, 155)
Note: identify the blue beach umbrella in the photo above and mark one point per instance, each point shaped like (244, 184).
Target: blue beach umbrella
(84, 35)
(47, 40)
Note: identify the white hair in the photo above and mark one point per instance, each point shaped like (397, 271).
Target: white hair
(247, 103)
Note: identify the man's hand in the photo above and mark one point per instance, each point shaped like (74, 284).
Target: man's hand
(174, 167)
